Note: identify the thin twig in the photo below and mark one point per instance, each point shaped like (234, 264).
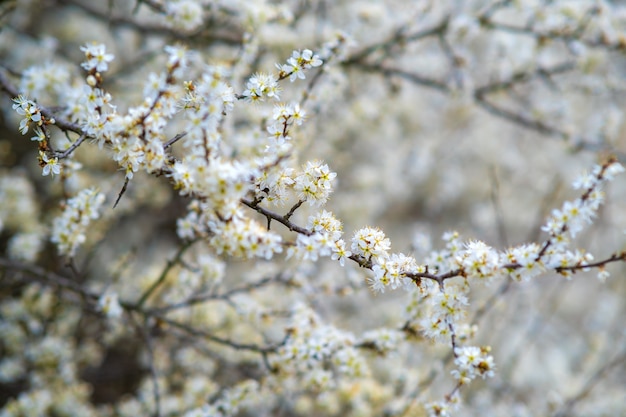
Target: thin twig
(198, 299)
(64, 154)
(174, 140)
(168, 267)
(122, 191)
(275, 216)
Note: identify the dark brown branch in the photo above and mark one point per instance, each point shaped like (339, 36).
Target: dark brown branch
(122, 191)
(64, 154)
(616, 257)
(275, 216)
(293, 209)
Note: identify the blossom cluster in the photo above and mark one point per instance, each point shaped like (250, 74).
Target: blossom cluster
(212, 290)
(472, 362)
(284, 117)
(313, 184)
(230, 402)
(49, 360)
(70, 228)
(447, 309)
(316, 352)
(476, 260)
(262, 85)
(245, 238)
(562, 226)
(324, 240)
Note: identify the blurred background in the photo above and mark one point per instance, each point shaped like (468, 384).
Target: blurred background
(436, 115)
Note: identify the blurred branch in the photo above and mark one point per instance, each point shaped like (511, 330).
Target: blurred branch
(202, 298)
(222, 341)
(42, 276)
(565, 34)
(229, 36)
(362, 60)
(521, 77)
(568, 406)
(387, 71)
(519, 119)
(398, 37)
(47, 277)
(168, 267)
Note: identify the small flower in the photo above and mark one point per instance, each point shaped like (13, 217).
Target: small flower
(40, 136)
(479, 260)
(310, 247)
(307, 59)
(177, 56)
(603, 275)
(380, 280)
(69, 229)
(109, 304)
(20, 103)
(97, 58)
(185, 14)
(584, 182)
(25, 246)
(51, 166)
(340, 253)
(438, 409)
(293, 69)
